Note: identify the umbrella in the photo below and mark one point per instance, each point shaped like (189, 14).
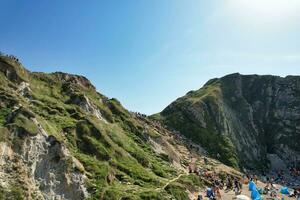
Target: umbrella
(255, 195)
(242, 197)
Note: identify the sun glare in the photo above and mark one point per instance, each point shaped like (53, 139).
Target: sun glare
(266, 11)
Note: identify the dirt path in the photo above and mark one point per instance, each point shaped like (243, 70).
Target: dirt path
(170, 181)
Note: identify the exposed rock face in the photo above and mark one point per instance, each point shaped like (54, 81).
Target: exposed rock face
(242, 118)
(42, 164)
(75, 79)
(84, 102)
(12, 70)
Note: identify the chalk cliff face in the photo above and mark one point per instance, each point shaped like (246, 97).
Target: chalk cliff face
(244, 120)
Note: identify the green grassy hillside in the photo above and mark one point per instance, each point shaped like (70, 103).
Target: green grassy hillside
(111, 143)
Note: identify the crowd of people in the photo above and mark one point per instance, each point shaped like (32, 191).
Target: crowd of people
(277, 185)
(271, 191)
(289, 179)
(217, 181)
(230, 183)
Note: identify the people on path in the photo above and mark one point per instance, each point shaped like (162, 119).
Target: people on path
(228, 184)
(210, 193)
(237, 188)
(199, 197)
(218, 193)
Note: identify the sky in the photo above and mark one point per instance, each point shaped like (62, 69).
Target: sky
(147, 53)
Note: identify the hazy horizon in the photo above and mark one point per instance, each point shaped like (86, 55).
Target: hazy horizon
(148, 53)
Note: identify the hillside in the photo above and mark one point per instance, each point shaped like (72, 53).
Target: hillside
(244, 120)
(61, 139)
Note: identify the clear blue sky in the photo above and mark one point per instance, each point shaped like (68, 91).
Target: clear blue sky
(147, 53)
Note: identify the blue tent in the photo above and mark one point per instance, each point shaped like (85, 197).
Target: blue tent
(252, 186)
(255, 195)
(284, 190)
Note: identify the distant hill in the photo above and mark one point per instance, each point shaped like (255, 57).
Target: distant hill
(243, 120)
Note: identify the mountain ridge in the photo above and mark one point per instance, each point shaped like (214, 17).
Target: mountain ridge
(220, 106)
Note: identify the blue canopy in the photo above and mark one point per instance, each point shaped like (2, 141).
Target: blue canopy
(252, 186)
(255, 195)
(284, 190)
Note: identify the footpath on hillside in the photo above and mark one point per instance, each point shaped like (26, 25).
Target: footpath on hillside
(170, 181)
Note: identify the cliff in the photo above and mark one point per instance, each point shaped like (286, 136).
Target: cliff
(243, 120)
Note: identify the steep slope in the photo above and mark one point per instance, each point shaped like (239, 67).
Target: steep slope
(243, 120)
(61, 139)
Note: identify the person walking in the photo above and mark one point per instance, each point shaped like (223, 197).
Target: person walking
(236, 186)
(199, 197)
(218, 193)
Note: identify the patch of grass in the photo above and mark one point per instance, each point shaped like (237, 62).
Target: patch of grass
(3, 134)
(133, 169)
(178, 191)
(25, 124)
(13, 193)
(213, 141)
(191, 182)
(159, 171)
(93, 147)
(4, 112)
(152, 195)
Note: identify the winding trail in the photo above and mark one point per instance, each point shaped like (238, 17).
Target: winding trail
(170, 181)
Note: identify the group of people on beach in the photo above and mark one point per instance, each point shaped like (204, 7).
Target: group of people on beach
(218, 182)
(289, 181)
(278, 185)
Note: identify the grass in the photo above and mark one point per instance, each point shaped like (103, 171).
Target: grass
(118, 149)
(4, 134)
(4, 112)
(132, 163)
(12, 193)
(177, 190)
(207, 137)
(25, 124)
(191, 180)
(180, 118)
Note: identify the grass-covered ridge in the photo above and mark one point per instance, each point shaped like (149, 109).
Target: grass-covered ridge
(111, 143)
(193, 115)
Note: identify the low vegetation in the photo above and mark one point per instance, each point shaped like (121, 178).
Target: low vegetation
(114, 149)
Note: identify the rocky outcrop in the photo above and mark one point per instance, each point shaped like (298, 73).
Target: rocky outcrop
(83, 102)
(12, 69)
(249, 116)
(42, 165)
(75, 79)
